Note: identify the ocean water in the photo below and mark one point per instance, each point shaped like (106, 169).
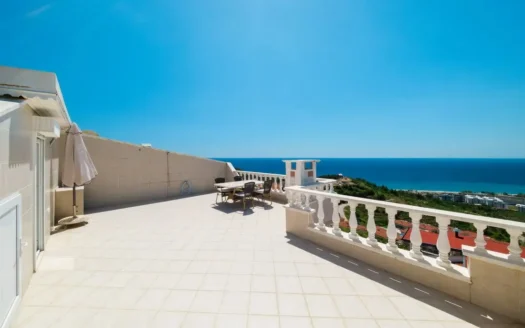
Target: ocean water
(495, 175)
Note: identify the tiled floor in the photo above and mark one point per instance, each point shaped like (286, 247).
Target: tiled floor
(187, 263)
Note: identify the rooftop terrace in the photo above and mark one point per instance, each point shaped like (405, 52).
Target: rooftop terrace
(191, 263)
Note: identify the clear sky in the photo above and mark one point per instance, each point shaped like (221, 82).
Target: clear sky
(292, 78)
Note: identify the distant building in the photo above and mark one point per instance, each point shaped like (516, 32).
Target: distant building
(498, 203)
(520, 207)
(459, 198)
(487, 201)
(446, 197)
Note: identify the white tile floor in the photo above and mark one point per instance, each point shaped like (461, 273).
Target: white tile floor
(188, 263)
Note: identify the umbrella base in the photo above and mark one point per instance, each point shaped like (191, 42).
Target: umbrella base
(72, 220)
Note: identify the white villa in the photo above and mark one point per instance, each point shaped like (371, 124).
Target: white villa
(159, 251)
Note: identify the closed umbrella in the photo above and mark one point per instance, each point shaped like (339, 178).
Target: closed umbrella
(78, 167)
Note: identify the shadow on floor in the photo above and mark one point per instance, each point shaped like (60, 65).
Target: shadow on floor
(454, 307)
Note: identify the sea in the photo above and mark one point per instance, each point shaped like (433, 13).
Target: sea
(491, 175)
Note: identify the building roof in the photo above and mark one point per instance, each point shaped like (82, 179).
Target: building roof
(40, 91)
(467, 239)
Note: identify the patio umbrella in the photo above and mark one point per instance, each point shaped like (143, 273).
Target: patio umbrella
(78, 167)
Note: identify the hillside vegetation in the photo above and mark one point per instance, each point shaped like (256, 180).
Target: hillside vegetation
(364, 189)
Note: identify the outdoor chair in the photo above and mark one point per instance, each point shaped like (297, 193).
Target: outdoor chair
(246, 193)
(266, 191)
(223, 192)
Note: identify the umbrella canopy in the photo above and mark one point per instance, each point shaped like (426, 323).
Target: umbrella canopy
(78, 166)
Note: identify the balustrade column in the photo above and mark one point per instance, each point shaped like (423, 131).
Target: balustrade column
(415, 237)
(371, 225)
(311, 223)
(320, 213)
(391, 230)
(335, 218)
(289, 196)
(514, 246)
(443, 244)
(353, 221)
(331, 188)
(480, 238)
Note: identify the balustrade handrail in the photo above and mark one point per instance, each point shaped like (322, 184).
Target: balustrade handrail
(493, 222)
(262, 173)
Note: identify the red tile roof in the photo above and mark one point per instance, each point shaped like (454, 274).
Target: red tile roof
(466, 238)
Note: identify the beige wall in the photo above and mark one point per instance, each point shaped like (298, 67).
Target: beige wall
(492, 285)
(17, 156)
(132, 174)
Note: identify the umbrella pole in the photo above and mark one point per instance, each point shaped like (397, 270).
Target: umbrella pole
(74, 200)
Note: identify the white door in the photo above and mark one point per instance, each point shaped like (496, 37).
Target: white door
(39, 196)
(9, 259)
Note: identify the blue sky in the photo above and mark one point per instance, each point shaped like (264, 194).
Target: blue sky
(273, 78)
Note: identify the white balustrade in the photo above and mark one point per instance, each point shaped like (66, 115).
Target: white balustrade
(353, 221)
(480, 238)
(443, 244)
(443, 218)
(514, 246)
(415, 237)
(320, 213)
(335, 217)
(391, 230)
(248, 175)
(371, 225)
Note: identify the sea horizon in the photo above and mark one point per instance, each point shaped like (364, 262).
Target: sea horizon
(497, 175)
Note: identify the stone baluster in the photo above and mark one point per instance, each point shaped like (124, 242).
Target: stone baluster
(443, 244)
(480, 238)
(331, 188)
(320, 213)
(371, 225)
(353, 221)
(415, 237)
(391, 230)
(311, 223)
(289, 196)
(335, 218)
(514, 246)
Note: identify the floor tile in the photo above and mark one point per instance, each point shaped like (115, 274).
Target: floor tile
(321, 306)
(313, 285)
(381, 307)
(179, 300)
(361, 323)
(214, 281)
(263, 303)
(235, 302)
(328, 323)
(207, 301)
(263, 284)
(412, 309)
(152, 299)
(241, 268)
(190, 281)
(165, 319)
(339, 286)
(292, 305)
(263, 268)
(199, 320)
(307, 270)
(166, 280)
(288, 284)
(285, 269)
(351, 307)
(231, 321)
(295, 322)
(240, 283)
(198, 267)
(256, 321)
(393, 324)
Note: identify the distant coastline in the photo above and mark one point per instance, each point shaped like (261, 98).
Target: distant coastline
(440, 174)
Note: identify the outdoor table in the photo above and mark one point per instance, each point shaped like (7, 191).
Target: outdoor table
(236, 185)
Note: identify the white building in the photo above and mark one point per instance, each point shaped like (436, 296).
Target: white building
(520, 207)
(32, 112)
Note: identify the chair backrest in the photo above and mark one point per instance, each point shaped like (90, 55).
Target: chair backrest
(249, 187)
(237, 178)
(267, 186)
(220, 180)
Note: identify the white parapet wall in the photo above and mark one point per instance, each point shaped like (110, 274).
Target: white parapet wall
(131, 173)
(492, 280)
